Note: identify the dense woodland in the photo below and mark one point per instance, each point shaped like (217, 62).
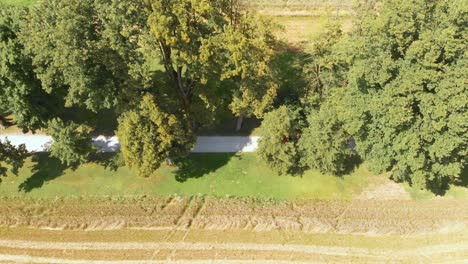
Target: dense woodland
(392, 92)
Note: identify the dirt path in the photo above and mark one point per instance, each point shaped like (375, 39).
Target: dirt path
(225, 249)
(28, 259)
(308, 249)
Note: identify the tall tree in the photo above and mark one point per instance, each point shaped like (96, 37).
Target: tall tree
(328, 65)
(325, 144)
(87, 50)
(72, 142)
(148, 136)
(88, 54)
(278, 145)
(20, 90)
(214, 55)
(210, 56)
(319, 140)
(407, 96)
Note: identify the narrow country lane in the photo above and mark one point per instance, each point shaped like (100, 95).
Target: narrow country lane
(204, 144)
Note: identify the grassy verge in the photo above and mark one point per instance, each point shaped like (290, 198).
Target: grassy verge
(239, 175)
(242, 175)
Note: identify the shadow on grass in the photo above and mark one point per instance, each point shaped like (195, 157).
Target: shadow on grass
(199, 165)
(463, 182)
(288, 63)
(441, 186)
(109, 160)
(45, 169)
(350, 165)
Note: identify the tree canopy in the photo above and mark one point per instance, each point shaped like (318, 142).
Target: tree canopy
(12, 156)
(72, 142)
(407, 96)
(324, 144)
(148, 136)
(396, 86)
(194, 59)
(86, 51)
(20, 90)
(280, 134)
(214, 55)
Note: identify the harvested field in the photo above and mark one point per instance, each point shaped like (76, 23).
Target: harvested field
(209, 213)
(197, 229)
(300, 7)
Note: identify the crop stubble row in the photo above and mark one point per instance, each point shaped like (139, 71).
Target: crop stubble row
(210, 213)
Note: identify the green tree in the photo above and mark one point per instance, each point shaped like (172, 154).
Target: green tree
(87, 51)
(278, 145)
(72, 143)
(149, 136)
(11, 155)
(321, 142)
(214, 55)
(20, 90)
(407, 96)
(328, 65)
(84, 54)
(324, 144)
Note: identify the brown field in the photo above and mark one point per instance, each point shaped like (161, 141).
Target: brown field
(198, 229)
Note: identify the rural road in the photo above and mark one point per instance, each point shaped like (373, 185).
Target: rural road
(204, 144)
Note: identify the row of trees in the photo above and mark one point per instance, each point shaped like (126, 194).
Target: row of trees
(395, 87)
(164, 68)
(392, 92)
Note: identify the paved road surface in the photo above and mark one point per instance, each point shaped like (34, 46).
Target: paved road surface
(211, 144)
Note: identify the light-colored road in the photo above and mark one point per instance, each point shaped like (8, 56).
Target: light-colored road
(222, 144)
(204, 144)
(309, 249)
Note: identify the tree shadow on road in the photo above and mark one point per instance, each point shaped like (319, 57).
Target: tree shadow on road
(197, 165)
(45, 169)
